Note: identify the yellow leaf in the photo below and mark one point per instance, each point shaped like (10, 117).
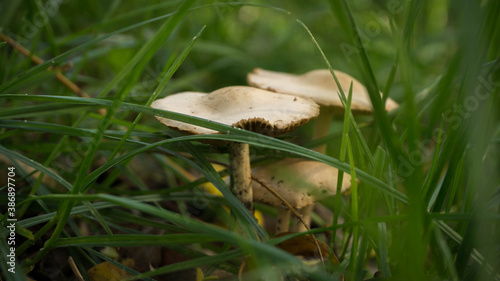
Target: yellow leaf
(106, 271)
(199, 274)
(210, 188)
(259, 216)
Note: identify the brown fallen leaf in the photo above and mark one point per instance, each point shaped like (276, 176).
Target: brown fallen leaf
(304, 246)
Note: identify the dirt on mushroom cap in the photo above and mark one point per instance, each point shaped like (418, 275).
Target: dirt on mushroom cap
(300, 182)
(318, 85)
(244, 107)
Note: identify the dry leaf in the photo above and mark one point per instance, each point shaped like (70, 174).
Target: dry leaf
(304, 246)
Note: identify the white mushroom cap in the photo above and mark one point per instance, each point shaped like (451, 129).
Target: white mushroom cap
(300, 182)
(244, 107)
(318, 85)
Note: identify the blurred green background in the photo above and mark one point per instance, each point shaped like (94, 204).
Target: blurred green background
(237, 39)
(438, 59)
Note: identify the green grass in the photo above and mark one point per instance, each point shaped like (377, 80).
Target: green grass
(427, 204)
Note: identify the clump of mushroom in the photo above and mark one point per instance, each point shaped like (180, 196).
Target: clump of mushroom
(322, 88)
(243, 107)
(299, 182)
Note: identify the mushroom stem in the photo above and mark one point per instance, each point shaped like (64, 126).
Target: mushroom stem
(322, 126)
(321, 129)
(240, 163)
(306, 218)
(283, 220)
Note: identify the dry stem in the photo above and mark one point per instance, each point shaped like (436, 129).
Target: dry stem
(37, 60)
(299, 217)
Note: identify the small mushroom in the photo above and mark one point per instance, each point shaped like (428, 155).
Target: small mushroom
(300, 182)
(243, 107)
(321, 87)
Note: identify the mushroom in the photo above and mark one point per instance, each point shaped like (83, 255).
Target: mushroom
(322, 88)
(243, 107)
(300, 182)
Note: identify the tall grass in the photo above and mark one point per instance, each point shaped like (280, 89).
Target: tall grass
(426, 206)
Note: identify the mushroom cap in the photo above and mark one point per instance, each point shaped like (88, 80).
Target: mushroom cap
(300, 182)
(318, 85)
(243, 107)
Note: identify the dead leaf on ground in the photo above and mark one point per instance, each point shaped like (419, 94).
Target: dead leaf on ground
(304, 246)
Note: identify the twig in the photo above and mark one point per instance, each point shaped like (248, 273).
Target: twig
(58, 74)
(74, 268)
(277, 195)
